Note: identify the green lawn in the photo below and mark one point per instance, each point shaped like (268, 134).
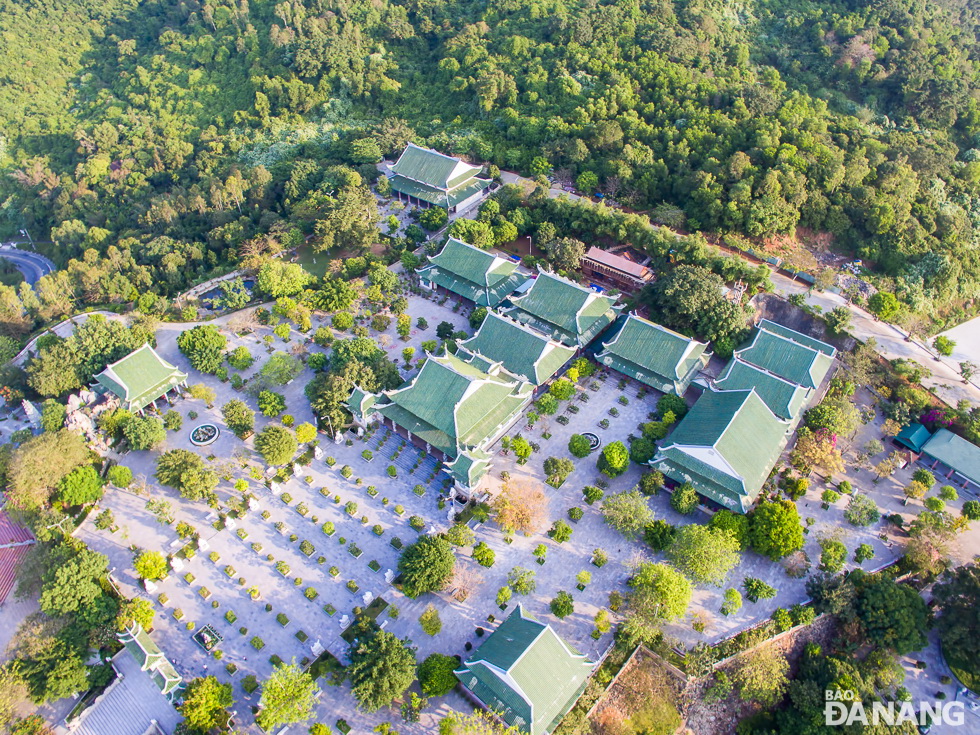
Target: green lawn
(966, 671)
(306, 258)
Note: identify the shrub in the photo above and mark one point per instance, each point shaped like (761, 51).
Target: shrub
(306, 548)
(484, 555)
(861, 511)
(732, 603)
(575, 514)
(230, 616)
(257, 643)
(328, 528)
(282, 619)
(599, 557)
(560, 532)
(417, 522)
(120, 476)
(756, 589)
(592, 494)
(578, 445)
(684, 499)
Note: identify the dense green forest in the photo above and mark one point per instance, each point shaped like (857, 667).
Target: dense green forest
(159, 141)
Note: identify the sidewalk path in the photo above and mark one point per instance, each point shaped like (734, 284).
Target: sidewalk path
(892, 342)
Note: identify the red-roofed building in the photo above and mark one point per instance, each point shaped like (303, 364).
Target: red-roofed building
(10, 558)
(615, 271)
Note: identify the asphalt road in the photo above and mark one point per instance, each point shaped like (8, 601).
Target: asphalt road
(32, 265)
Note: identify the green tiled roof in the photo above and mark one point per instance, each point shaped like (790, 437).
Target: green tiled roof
(788, 357)
(150, 658)
(913, 436)
(785, 399)
(955, 452)
(522, 351)
(564, 310)
(803, 339)
(725, 446)
(432, 168)
(140, 377)
(435, 196)
(480, 276)
(455, 406)
(360, 402)
(653, 354)
(526, 673)
(470, 467)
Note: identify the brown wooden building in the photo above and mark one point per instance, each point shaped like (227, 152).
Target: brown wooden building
(615, 271)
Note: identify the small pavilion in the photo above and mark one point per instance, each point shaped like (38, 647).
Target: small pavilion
(140, 378)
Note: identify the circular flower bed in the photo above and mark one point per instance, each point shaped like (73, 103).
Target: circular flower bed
(593, 440)
(204, 434)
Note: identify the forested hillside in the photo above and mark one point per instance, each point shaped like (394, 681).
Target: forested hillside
(157, 141)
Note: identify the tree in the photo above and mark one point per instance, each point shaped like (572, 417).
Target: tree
(562, 605)
(547, 404)
(276, 444)
(203, 392)
(944, 345)
(838, 320)
(735, 524)
(80, 486)
(658, 594)
(474, 723)
(203, 346)
(335, 294)
(836, 414)
(38, 465)
(278, 278)
(430, 621)
(659, 535)
(563, 389)
(477, 317)
(704, 554)
(628, 512)
(521, 580)
(684, 499)
(280, 369)
(305, 433)
(144, 432)
(436, 677)
(775, 530)
(52, 415)
(459, 534)
(520, 507)
(560, 532)
(732, 603)
(484, 555)
(426, 566)
(288, 696)
(151, 565)
(271, 404)
(579, 446)
(892, 615)
(55, 672)
(958, 598)
(522, 449)
(186, 472)
(70, 582)
(861, 511)
(433, 218)
(566, 253)
(138, 610)
(614, 459)
(689, 298)
(762, 675)
(240, 358)
(817, 451)
(884, 305)
(557, 469)
(445, 330)
(381, 669)
(239, 417)
(205, 704)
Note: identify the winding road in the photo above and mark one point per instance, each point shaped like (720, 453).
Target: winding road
(32, 265)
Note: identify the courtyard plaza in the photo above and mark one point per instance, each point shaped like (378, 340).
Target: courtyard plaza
(460, 619)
